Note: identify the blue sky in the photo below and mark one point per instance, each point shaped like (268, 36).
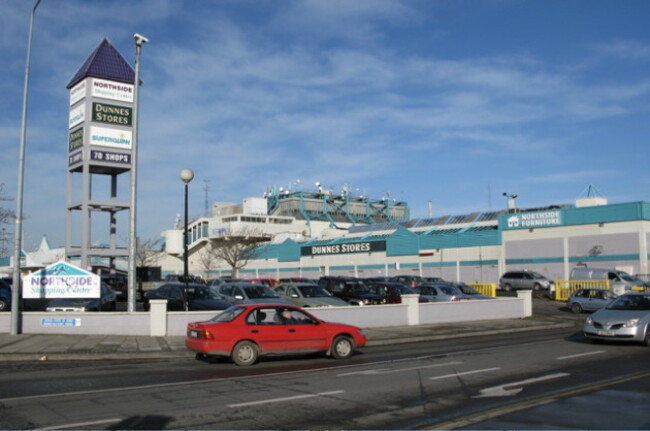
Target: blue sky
(453, 102)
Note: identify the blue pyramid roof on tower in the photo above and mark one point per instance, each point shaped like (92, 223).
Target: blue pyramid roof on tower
(105, 62)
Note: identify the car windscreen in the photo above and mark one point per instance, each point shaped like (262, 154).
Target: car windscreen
(630, 302)
(228, 314)
(357, 286)
(537, 275)
(314, 291)
(405, 290)
(469, 290)
(254, 292)
(205, 292)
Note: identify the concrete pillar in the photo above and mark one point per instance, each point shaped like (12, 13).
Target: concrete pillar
(527, 296)
(413, 308)
(158, 317)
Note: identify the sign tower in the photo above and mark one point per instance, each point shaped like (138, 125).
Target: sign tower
(100, 148)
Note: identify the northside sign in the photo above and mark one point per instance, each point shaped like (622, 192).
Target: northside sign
(61, 280)
(357, 247)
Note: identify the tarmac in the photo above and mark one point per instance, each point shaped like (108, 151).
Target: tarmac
(49, 347)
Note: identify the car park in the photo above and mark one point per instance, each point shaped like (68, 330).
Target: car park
(180, 278)
(391, 293)
(197, 297)
(246, 332)
(119, 283)
(308, 295)
(247, 293)
(626, 318)
(408, 280)
(351, 290)
(106, 302)
(589, 299)
(441, 292)
(513, 280)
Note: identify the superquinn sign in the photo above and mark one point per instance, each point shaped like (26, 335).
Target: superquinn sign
(355, 247)
(112, 114)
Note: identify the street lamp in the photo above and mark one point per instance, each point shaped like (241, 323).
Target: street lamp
(16, 288)
(511, 201)
(187, 175)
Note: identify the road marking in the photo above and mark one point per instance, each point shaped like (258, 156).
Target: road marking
(597, 352)
(465, 373)
(501, 391)
(283, 399)
(82, 424)
(391, 371)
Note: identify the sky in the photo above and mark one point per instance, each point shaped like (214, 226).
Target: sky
(443, 104)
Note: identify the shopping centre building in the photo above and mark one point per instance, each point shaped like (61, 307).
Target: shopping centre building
(310, 235)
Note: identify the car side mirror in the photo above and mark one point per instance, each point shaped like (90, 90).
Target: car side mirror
(239, 297)
(294, 295)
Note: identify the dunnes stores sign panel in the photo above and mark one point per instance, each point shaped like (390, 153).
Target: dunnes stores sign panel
(111, 114)
(75, 139)
(534, 220)
(357, 247)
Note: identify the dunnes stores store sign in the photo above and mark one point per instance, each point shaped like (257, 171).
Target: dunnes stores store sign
(357, 247)
(75, 139)
(111, 114)
(534, 220)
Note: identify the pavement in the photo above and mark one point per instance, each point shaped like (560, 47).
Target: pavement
(49, 347)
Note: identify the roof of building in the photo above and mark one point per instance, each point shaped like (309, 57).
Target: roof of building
(107, 63)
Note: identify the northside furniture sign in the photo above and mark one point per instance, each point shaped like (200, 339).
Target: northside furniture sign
(357, 247)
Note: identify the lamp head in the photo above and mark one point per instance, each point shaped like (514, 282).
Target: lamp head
(187, 175)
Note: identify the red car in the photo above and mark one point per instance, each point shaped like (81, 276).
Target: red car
(245, 332)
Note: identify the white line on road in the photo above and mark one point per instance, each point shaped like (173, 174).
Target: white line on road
(399, 370)
(597, 352)
(464, 373)
(514, 387)
(82, 424)
(279, 400)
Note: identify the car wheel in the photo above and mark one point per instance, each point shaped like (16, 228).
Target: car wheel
(537, 287)
(3, 305)
(646, 340)
(576, 308)
(342, 347)
(507, 287)
(245, 353)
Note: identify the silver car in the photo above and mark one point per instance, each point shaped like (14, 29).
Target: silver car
(441, 292)
(308, 295)
(249, 293)
(627, 318)
(589, 299)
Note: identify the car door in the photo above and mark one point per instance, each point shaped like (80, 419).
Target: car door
(263, 326)
(303, 334)
(597, 300)
(176, 299)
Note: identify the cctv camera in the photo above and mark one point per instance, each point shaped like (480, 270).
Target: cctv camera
(140, 39)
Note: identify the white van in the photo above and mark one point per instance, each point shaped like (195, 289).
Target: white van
(620, 281)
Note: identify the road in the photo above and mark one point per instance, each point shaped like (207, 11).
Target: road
(535, 380)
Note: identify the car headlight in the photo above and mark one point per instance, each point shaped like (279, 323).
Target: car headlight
(631, 323)
(589, 321)
(366, 301)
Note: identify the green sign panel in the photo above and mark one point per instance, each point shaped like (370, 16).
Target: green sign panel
(75, 139)
(111, 114)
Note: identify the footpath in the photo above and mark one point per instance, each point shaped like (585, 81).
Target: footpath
(48, 347)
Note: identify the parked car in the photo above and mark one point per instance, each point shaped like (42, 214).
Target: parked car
(5, 296)
(432, 280)
(408, 280)
(392, 292)
(513, 280)
(197, 297)
(242, 292)
(620, 281)
(351, 290)
(308, 295)
(471, 291)
(298, 280)
(180, 278)
(106, 302)
(119, 283)
(441, 292)
(627, 318)
(590, 299)
(270, 282)
(246, 332)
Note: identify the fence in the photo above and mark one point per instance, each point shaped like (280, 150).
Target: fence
(487, 289)
(564, 288)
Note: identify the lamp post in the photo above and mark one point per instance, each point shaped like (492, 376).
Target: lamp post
(16, 287)
(139, 40)
(511, 201)
(187, 175)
